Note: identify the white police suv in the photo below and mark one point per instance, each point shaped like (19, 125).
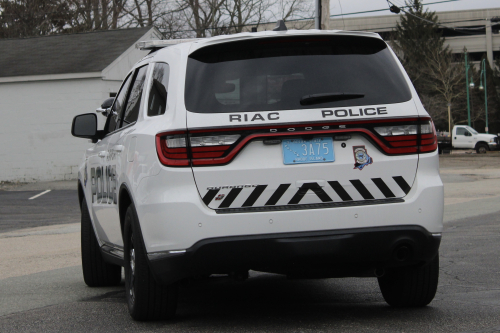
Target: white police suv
(303, 153)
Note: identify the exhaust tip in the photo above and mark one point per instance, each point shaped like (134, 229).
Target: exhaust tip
(402, 253)
(379, 272)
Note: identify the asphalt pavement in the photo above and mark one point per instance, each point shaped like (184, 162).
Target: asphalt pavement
(55, 207)
(54, 298)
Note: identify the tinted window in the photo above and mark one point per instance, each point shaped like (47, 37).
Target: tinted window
(276, 73)
(461, 131)
(134, 100)
(112, 121)
(159, 88)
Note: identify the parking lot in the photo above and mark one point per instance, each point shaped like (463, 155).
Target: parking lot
(42, 289)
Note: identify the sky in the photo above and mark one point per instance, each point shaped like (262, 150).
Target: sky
(352, 6)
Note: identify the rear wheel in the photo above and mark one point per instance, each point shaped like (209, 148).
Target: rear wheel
(96, 272)
(482, 148)
(147, 300)
(410, 286)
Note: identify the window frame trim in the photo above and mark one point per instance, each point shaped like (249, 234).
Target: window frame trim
(114, 101)
(136, 72)
(150, 82)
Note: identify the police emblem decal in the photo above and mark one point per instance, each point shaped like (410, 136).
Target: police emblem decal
(361, 157)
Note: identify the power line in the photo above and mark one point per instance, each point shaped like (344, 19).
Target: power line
(432, 22)
(385, 9)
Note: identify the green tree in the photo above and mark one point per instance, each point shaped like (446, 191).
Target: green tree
(414, 38)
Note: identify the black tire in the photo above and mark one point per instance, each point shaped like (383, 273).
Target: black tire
(410, 286)
(146, 299)
(482, 148)
(96, 272)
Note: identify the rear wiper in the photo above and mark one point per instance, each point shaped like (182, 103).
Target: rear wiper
(328, 97)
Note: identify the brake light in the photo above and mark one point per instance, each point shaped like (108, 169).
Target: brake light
(173, 150)
(218, 147)
(419, 137)
(428, 137)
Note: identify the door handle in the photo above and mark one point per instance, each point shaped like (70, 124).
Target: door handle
(118, 148)
(102, 154)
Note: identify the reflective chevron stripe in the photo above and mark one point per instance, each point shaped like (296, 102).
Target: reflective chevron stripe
(209, 196)
(362, 189)
(341, 192)
(313, 188)
(403, 184)
(277, 194)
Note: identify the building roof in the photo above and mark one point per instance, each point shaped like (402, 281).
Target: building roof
(62, 54)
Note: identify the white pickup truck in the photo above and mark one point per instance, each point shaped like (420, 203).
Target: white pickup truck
(465, 137)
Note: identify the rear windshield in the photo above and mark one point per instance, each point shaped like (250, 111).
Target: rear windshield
(293, 73)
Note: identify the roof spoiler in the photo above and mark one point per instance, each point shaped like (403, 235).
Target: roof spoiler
(159, 44)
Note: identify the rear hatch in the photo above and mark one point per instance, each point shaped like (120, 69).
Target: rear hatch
(299, 122)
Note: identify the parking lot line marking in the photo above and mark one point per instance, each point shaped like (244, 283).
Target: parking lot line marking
(39, 194)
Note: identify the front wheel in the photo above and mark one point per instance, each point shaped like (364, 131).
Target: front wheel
(146, 299)
(410, 286)
(482, 148)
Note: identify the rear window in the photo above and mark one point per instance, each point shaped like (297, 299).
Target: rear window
(293, 73)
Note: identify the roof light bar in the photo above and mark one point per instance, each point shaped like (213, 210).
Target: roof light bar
(157, 44)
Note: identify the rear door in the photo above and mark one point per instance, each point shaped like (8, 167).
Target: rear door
(284, 122)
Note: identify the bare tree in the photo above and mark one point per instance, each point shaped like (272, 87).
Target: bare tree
(202, 16)
(96, 14)
(243, 12)
(445, 77)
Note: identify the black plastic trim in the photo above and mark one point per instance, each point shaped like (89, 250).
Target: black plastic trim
(309, 206)
(112, 255)
(328, 253)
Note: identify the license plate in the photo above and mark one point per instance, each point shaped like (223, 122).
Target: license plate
(299, 151)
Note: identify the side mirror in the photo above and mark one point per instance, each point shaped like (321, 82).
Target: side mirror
(106, 107)
(85, 126)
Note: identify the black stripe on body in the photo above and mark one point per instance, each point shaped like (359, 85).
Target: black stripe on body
(309, 186)
(209, 196)
(383, 188)
(257, 191)
(362, 189)
(341, 192)
(277, 194)
(402, 183)
(230, 197)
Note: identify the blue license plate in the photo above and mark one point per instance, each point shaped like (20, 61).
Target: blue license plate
(299, 151)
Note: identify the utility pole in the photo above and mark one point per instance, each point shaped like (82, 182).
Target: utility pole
(317, 16)
(322, 16)
(489, 43)
(467, 84)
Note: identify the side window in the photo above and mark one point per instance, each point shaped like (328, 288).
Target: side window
(460, 131)
(134, 101)
(112, 121)
(159, 89)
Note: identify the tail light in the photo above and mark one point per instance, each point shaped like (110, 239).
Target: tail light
(413, 138)
(173, 150)
(220, 146)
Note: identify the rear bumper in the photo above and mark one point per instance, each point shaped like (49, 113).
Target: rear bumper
(336, 253)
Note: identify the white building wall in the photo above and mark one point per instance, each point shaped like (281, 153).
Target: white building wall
(36, 113)
(35, 126)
